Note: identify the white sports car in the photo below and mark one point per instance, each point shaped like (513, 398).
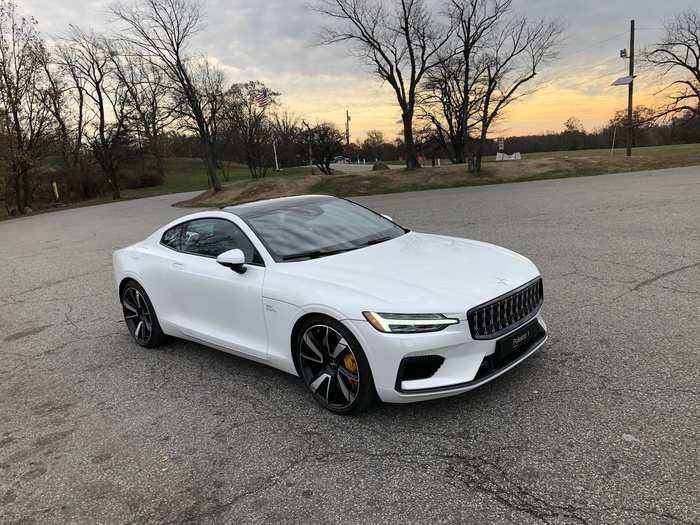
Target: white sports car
(338, 294)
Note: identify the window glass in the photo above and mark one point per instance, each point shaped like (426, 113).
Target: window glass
(171, 238)
(212, 237)
(314, 228)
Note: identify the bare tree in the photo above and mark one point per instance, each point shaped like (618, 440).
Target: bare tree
(643, 117)
(286, 128)
(401, 44)
(209, 81)
(450, 100)
(451, 94)
(247, 123)
(23, 111)
(149, 98)
(372, 145)
(326, 142)
(107, 96)
(678, 53)
(65, 99)
(161, 30)
(511, 59)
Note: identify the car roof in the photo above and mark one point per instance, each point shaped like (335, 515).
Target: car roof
(254, 208)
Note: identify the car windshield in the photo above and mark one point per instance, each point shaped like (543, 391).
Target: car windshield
(314, 228)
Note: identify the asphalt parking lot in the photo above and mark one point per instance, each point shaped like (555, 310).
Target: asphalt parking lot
(602, 426)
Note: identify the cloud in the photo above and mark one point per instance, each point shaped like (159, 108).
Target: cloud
(274, 41)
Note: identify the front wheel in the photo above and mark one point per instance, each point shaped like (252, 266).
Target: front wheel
(140, 316)
(334, 366)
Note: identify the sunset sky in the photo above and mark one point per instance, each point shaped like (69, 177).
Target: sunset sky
(273, 41)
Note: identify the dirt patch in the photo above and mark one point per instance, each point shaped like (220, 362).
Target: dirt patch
(254, 189)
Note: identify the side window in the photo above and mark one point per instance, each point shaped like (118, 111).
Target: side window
(212, 237)
(171, 238)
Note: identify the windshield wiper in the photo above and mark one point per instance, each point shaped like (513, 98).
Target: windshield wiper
(377, 241)
(314, 254)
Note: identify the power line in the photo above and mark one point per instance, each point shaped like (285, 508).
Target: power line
(571, 73)
(596, 44)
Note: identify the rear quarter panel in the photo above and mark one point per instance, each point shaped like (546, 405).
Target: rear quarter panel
(150, 265)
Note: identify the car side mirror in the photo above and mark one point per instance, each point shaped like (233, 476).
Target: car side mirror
(234, 259)
(388, 217)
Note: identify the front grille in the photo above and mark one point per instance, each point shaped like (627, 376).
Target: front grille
(503, 314)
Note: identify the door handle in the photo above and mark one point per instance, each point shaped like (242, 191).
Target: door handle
(178, 266)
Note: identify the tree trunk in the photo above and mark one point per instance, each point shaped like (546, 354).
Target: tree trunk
(466, 149)
(28, 193)
(18, 193)
(210, 162)
(478, 154)
(158, 158)
(411, 154)
(116, 193)
(458, 152)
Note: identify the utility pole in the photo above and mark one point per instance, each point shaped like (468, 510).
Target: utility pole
(347, 127)
(630, 87)
(274, 150)
(311, 158)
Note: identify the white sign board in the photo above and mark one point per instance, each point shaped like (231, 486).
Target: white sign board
(504, 156)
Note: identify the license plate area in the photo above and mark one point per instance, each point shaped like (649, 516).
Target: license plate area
(518, 342)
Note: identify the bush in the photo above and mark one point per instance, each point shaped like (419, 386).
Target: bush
(130, 178)
(140, 172)
(151, 175)
(380, 166)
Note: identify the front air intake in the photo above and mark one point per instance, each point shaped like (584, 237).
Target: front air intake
(419, 367)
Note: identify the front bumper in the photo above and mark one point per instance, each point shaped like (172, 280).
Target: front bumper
(460, 371)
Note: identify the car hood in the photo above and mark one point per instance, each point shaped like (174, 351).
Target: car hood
(414, 273)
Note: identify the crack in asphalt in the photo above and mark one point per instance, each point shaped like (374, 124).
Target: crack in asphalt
(26, 333)
(474, 472)
(663, 275)
(45, 285)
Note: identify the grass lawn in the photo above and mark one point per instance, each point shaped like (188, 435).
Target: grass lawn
(532, 167)
(182, 174)
(186, 174)
(681, 150)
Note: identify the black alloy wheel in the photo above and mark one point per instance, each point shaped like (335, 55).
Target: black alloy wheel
(334, 367)
(140, 317)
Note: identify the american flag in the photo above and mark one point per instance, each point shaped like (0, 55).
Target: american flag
(262, 99)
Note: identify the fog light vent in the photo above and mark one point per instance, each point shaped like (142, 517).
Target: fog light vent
(419, 367)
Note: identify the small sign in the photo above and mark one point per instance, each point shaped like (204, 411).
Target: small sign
(504, 156)
(623, 81)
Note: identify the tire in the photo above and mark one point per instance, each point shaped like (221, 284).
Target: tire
(334, 366)
(140, 316)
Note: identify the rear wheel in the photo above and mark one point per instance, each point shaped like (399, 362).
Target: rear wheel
(140, 316)
(334, 366)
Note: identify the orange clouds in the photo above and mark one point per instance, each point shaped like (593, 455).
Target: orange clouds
(586, 95)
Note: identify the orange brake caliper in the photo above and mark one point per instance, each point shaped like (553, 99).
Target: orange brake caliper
(350, 364)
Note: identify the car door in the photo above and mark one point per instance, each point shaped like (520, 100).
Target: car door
(220, 306)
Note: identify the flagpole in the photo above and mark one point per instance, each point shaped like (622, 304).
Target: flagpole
(274, 148)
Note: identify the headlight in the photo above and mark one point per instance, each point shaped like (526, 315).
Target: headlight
(408, 323)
